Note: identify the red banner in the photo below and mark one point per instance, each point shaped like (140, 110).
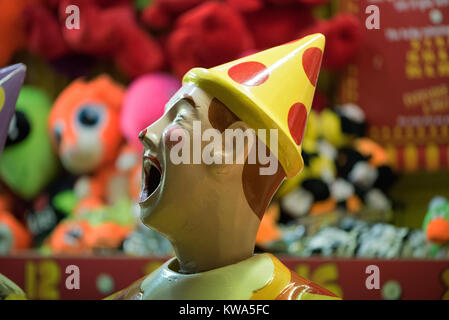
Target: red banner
(46, 277)
(400, 78)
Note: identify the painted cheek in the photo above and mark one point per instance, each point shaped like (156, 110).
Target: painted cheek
(173, 135)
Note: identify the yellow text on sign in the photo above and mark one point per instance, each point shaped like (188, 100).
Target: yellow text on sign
(42, 280)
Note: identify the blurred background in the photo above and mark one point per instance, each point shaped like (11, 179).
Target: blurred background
(375, 184)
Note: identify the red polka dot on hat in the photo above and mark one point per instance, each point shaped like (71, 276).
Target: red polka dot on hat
(249, 73)
(297, 119)
(311, 62)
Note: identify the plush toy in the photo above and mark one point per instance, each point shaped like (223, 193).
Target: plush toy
(381, 241)
(160, 14)
(436, 221)
(350, 178)
(102, 228)
(44, 35)
(144, 103)
(378, 158)
(351, 237)
(69, 237)
(12, 29)
(51, 206)
(252, 5)
(371, 183)
(28, 162)
(207, 35)
(28, 166)
(328, 242)
(107, 30)
(344, 34)
(269, 230)
(13, 235)
(355, 168)
(377, 154)
(342, 125)
(273, 25)
(84, 126)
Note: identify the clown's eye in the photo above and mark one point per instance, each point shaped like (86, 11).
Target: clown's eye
(19, 129)
(90, 115)
(180, 117)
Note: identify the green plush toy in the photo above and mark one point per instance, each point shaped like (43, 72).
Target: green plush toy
(436, 221)
(28, 163)
(436, 226)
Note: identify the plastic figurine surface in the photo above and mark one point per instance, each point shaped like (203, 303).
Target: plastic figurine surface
(11, 80)
(210, 204)
(13, 235)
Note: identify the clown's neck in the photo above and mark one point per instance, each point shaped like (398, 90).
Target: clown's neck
(200, 261)
(228, 239)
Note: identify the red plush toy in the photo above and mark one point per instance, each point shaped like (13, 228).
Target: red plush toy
(207, 35)
(43, 32)
(274, 25)
(162, 13)
(108, 29)
(12, 28)
(343, 35)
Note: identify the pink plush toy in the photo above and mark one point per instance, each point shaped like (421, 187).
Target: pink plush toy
(144, 103)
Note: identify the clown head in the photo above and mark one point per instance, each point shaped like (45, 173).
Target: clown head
(226, 141)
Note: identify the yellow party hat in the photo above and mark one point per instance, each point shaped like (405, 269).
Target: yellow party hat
(271, 89)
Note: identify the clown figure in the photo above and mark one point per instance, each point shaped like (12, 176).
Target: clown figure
(211, 210)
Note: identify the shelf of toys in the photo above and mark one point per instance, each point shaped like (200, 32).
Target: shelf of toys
(373, 191)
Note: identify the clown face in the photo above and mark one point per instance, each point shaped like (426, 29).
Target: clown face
(212, 172)
(167, 186)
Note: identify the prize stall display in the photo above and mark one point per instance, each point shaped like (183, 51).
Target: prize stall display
(91, 110)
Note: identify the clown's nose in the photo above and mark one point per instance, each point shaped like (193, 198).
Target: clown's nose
(438, 231)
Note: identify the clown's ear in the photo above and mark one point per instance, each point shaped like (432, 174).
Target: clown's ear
(240, 140)
(109, 90)
(237, 143)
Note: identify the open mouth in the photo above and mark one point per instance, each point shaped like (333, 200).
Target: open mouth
(152, 174)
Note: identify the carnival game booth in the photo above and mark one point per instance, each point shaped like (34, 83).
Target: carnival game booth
(367, 217)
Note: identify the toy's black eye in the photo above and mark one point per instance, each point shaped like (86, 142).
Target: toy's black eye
(19, 129)
(75, 233)
(89, 116)
(73, 236)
